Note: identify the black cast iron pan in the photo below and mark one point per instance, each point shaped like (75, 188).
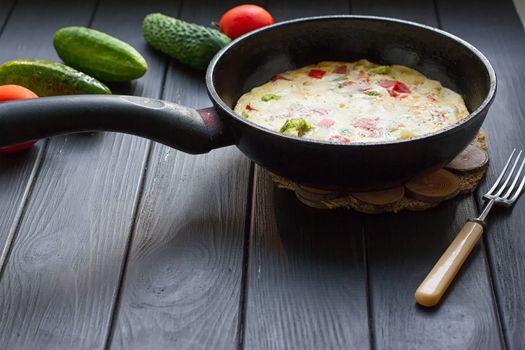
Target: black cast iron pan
(251, 61)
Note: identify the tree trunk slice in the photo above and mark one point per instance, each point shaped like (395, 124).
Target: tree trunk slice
(471, 158)
(381, 198)
(434, 187)
(380, 202)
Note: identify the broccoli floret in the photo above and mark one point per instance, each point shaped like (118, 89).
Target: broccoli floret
(295, 127)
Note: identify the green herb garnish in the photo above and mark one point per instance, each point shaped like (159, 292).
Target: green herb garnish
(270, 97)
(380, 70)
(344, 77)
(295, 127)
(372, 93)
(245, 115)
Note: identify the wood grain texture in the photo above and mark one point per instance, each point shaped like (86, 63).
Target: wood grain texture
(306, 282)
(395, 245)
(283, 10)
(60, 283)
(307, 276)
(182, 286)
(496, 30)
(19, 40)
(6, 8)
(403, 248)
(16, 170)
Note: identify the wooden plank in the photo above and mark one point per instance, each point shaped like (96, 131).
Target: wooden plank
(422, 11)
(16, 170)
(182, 287)
(403, 248)
(60, 283)
(19, 40)
(289, 9)
(307, 276)
(6, 8)
(306, 283)
(496, 30)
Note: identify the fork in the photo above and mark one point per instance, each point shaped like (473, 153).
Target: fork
(442, 274)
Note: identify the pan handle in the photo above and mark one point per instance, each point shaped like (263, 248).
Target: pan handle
(183, 128)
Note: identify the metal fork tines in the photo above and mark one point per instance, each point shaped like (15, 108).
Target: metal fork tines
(502, 192)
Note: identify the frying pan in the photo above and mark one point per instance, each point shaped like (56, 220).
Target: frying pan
(251, 61)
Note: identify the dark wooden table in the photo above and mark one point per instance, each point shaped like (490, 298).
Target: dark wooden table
(110, 241)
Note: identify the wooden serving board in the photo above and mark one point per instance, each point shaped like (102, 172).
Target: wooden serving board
(412, 196)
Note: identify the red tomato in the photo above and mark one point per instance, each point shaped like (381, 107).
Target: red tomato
(15, 92)
(243, 19)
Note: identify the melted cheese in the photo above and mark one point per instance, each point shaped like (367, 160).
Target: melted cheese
(353, 102)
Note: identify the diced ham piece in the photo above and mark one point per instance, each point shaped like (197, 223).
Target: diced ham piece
(320, 111)
(341, 69)
(363, 75)
(387, 83)
(316, 73)
(325, 123)
(346, 83)
(366, 123)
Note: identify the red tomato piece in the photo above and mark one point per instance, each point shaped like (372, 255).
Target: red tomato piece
(339, 138)
(16, 92)
(250, 108)
(341, 69)
(392, 93)
(243, 19)
(401, 87)
(316, 73)
(396, 86)
(279, 77)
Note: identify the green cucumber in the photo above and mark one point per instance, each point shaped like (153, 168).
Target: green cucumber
(188, 43)
(99, 54)
(48, 78)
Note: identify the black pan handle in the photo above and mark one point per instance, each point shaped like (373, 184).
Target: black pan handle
(183, 128)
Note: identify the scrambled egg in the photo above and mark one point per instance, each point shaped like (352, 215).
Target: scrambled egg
(352, 102)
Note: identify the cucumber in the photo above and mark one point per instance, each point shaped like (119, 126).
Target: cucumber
(188, 43)
(48, 78)
(99, 54)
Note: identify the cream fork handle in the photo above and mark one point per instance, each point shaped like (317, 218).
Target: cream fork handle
(437, 281)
